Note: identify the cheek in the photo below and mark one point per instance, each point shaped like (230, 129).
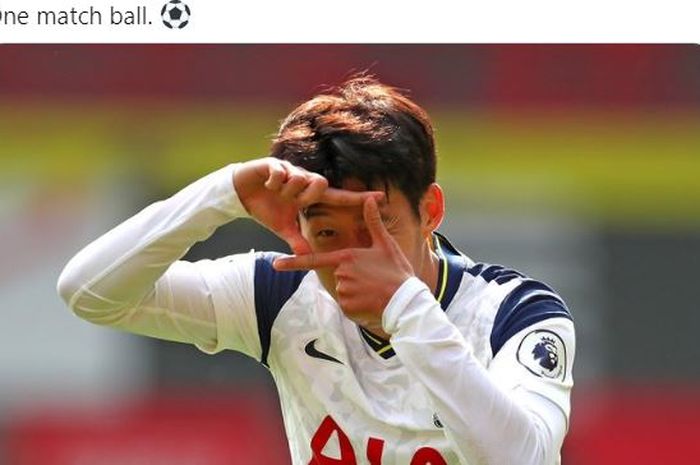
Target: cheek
(411, 247)
(324, 244)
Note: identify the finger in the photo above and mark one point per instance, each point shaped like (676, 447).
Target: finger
(296, 182)
(373, 220)
(276, 176)
(313, 191)
(311, 261)
(346, 198)
(291, 234)
(298, 244)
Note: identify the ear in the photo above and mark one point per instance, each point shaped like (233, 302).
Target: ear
(432, 209)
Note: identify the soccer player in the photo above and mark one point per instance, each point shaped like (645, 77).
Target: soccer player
(387, 345)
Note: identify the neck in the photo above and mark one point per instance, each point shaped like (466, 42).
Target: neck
(430, 266)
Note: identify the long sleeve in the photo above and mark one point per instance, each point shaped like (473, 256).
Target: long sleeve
(496, 415)
(131, 277)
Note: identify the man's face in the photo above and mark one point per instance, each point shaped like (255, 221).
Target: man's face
(327, 228)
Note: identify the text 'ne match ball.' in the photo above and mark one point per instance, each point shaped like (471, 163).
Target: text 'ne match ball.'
(175, 14)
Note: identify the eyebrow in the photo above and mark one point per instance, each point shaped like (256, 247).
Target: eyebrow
(316, 209)
(319, 209)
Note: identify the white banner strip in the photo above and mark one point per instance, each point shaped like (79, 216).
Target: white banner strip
(356, 21)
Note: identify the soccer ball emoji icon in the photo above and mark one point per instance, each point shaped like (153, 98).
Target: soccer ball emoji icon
(175, 14)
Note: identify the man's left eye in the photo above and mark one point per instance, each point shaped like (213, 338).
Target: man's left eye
(325, 233)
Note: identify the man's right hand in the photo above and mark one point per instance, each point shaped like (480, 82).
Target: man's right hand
(273, 191)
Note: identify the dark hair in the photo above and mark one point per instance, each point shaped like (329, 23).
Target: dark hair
(362, 130)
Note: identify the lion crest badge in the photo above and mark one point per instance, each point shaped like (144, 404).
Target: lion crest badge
(543, 353)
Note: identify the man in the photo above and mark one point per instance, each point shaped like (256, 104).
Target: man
(387, 345)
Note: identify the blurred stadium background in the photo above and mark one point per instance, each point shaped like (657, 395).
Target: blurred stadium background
(578, 164)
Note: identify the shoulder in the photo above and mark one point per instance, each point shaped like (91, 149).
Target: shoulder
(273, 284)
(272, 287)
(272, 290)
(515, 301)
(506, 300)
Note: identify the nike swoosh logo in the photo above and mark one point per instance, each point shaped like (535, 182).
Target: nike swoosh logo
(312, 351)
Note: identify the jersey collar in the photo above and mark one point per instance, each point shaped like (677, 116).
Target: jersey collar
(452, 266)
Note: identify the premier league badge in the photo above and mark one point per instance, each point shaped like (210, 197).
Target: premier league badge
(543, 353)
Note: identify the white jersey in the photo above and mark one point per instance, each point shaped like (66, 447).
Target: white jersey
(479, 372)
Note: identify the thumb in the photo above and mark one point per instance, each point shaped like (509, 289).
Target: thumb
(297, 243)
